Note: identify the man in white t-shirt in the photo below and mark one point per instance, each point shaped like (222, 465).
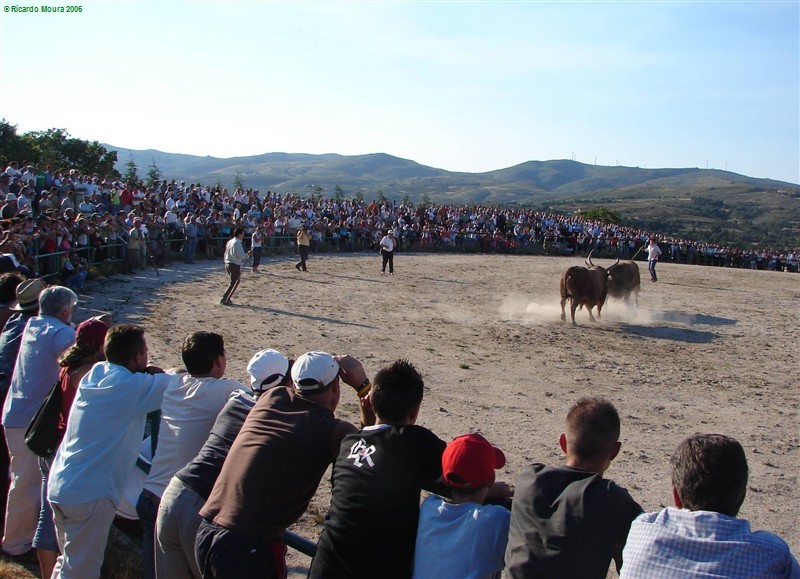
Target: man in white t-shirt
(653, 253)
(188, 412)
(387, 251)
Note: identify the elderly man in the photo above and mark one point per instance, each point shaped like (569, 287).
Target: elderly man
(44, 339)
(99, 449)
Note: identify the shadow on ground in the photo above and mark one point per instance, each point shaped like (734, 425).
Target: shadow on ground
(693, 319)
(667, 333)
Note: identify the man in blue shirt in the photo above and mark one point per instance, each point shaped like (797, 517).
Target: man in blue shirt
(45, 337)
(99, 449)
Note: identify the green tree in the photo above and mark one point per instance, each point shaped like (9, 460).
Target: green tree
(381, 196)
(238, 182)
(130, 170)
(338, 194)
(600, 214)
(55, 147)
(426, 200)
(13, 147)
(359, 196)
(153, 174)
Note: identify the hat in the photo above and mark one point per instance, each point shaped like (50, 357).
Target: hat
(314, 371)
(469, 462)
(28, 295)
(267, 368)
(11, 197)
(91, 333)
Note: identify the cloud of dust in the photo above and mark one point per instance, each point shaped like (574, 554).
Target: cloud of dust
(522, 309)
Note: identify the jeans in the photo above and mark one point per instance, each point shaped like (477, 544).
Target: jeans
(45, 536)
(147, 509)
(191, 248)
(651, 265)
(226, 554)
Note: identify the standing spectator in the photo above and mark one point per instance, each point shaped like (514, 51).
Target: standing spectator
(235, 256)
(75, 362)
(387, 252)
(291, 431)
(187, 413)
(653, 253)
(190, 232)
(463, 538)
(303, 241)
(45, 337)
(570, 521)
(256, 241)
(179, 511)
(135, 244)
(26, 307)
(701, 536)
(377, 480)
(100, 447)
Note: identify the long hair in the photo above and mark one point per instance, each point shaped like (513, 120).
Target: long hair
(76, 354)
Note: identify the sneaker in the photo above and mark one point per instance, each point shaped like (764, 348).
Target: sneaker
(297, 266)
(222, 302)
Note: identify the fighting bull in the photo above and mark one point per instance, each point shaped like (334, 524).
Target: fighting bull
(584, 287)
(623, 279)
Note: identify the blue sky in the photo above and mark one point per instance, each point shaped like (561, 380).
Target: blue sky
(463, 86)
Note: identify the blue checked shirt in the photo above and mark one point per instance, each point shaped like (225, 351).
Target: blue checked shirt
(678, 543)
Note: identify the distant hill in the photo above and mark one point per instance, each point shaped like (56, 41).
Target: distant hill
(702, 204)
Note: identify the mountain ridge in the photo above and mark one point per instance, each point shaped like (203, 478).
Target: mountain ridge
(711, 204)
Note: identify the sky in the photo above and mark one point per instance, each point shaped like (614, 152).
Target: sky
(461, 86)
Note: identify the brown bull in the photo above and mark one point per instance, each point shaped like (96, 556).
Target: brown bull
(623, 279)
(584, 287)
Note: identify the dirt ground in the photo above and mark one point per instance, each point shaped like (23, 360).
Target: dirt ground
(708, 350)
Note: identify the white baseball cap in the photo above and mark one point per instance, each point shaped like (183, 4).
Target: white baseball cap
(267, 369)
(314, 371)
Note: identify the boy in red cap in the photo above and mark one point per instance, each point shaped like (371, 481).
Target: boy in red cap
(463, 538)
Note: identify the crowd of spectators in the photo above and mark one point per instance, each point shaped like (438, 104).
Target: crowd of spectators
(48, 216)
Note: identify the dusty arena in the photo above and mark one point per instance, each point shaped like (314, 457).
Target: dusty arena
(708, 350)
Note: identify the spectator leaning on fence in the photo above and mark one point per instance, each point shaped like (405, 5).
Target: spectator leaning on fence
(45, 337)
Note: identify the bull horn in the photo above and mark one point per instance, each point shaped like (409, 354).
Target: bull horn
(616, 262)
(589, 258)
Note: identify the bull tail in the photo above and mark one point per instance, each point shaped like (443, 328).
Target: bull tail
(565, 288)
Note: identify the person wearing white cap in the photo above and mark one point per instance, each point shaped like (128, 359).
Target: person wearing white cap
(188, 411)
(179, 511)
(288, 441)
(387, 251)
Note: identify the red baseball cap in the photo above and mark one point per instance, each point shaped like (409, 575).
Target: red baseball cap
(469, 462)
(92, 333)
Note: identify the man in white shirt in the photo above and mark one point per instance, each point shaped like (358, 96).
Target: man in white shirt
(235, 256)
(188, 412)
(387, 251)
(653, 253)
